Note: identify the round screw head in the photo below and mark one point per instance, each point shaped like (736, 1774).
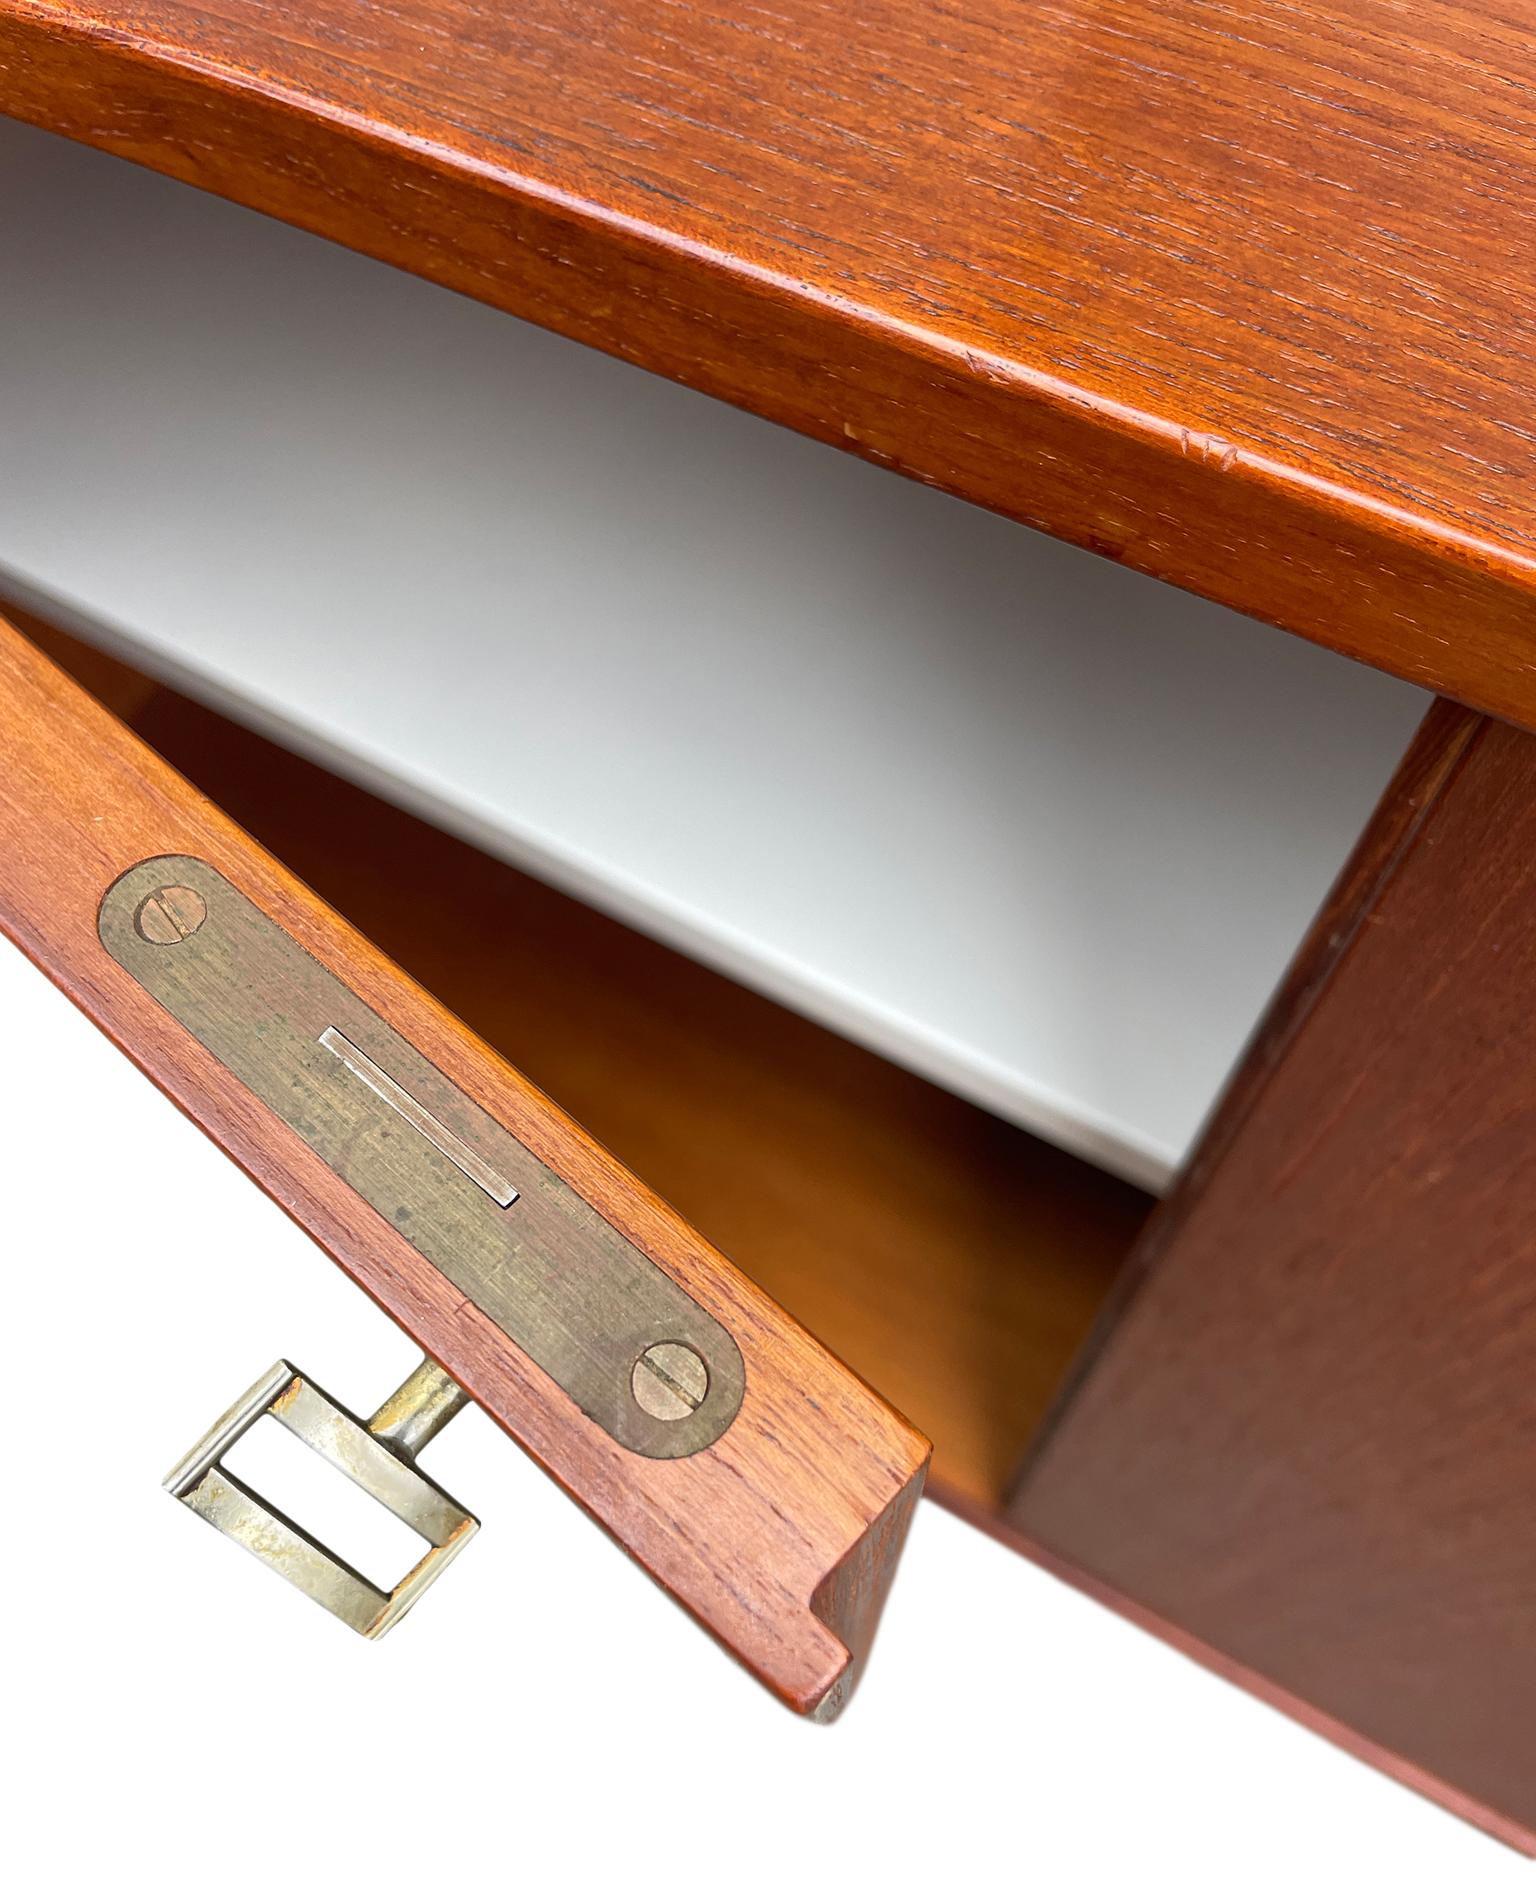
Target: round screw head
(170, 915)
(669, 1381)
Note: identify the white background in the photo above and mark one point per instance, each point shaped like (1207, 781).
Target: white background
(175, 1711)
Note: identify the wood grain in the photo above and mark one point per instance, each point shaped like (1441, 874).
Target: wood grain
(951, 1259)
(1308, 1438)
(1231, 290)
(797, 1505)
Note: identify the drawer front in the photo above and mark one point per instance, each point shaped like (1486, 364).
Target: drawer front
(770, 1494)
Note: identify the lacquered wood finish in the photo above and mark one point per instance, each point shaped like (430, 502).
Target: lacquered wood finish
(1231, 290)
(796, 1513)
(1307, 1437)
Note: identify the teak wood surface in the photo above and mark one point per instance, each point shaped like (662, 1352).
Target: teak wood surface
(1307, 1438)
(780, 1537)
(1232, 290)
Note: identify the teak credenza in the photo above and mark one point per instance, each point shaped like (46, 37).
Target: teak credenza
(1235, 296)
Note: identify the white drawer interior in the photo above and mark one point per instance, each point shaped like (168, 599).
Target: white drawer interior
(1042, 829)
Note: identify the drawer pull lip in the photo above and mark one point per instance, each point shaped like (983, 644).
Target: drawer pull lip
(629, 1345)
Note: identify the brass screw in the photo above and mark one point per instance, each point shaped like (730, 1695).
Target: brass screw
(171, 914)
(669, 1381)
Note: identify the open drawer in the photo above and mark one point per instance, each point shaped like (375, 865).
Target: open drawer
(959, 1264)
(765, 1486)
(1273, 1419)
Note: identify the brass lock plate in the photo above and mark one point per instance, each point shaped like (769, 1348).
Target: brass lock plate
(630, 1347)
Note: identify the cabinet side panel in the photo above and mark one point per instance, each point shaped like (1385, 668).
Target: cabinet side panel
(1308, 1435)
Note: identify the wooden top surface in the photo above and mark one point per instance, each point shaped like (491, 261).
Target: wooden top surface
(1233, 290)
